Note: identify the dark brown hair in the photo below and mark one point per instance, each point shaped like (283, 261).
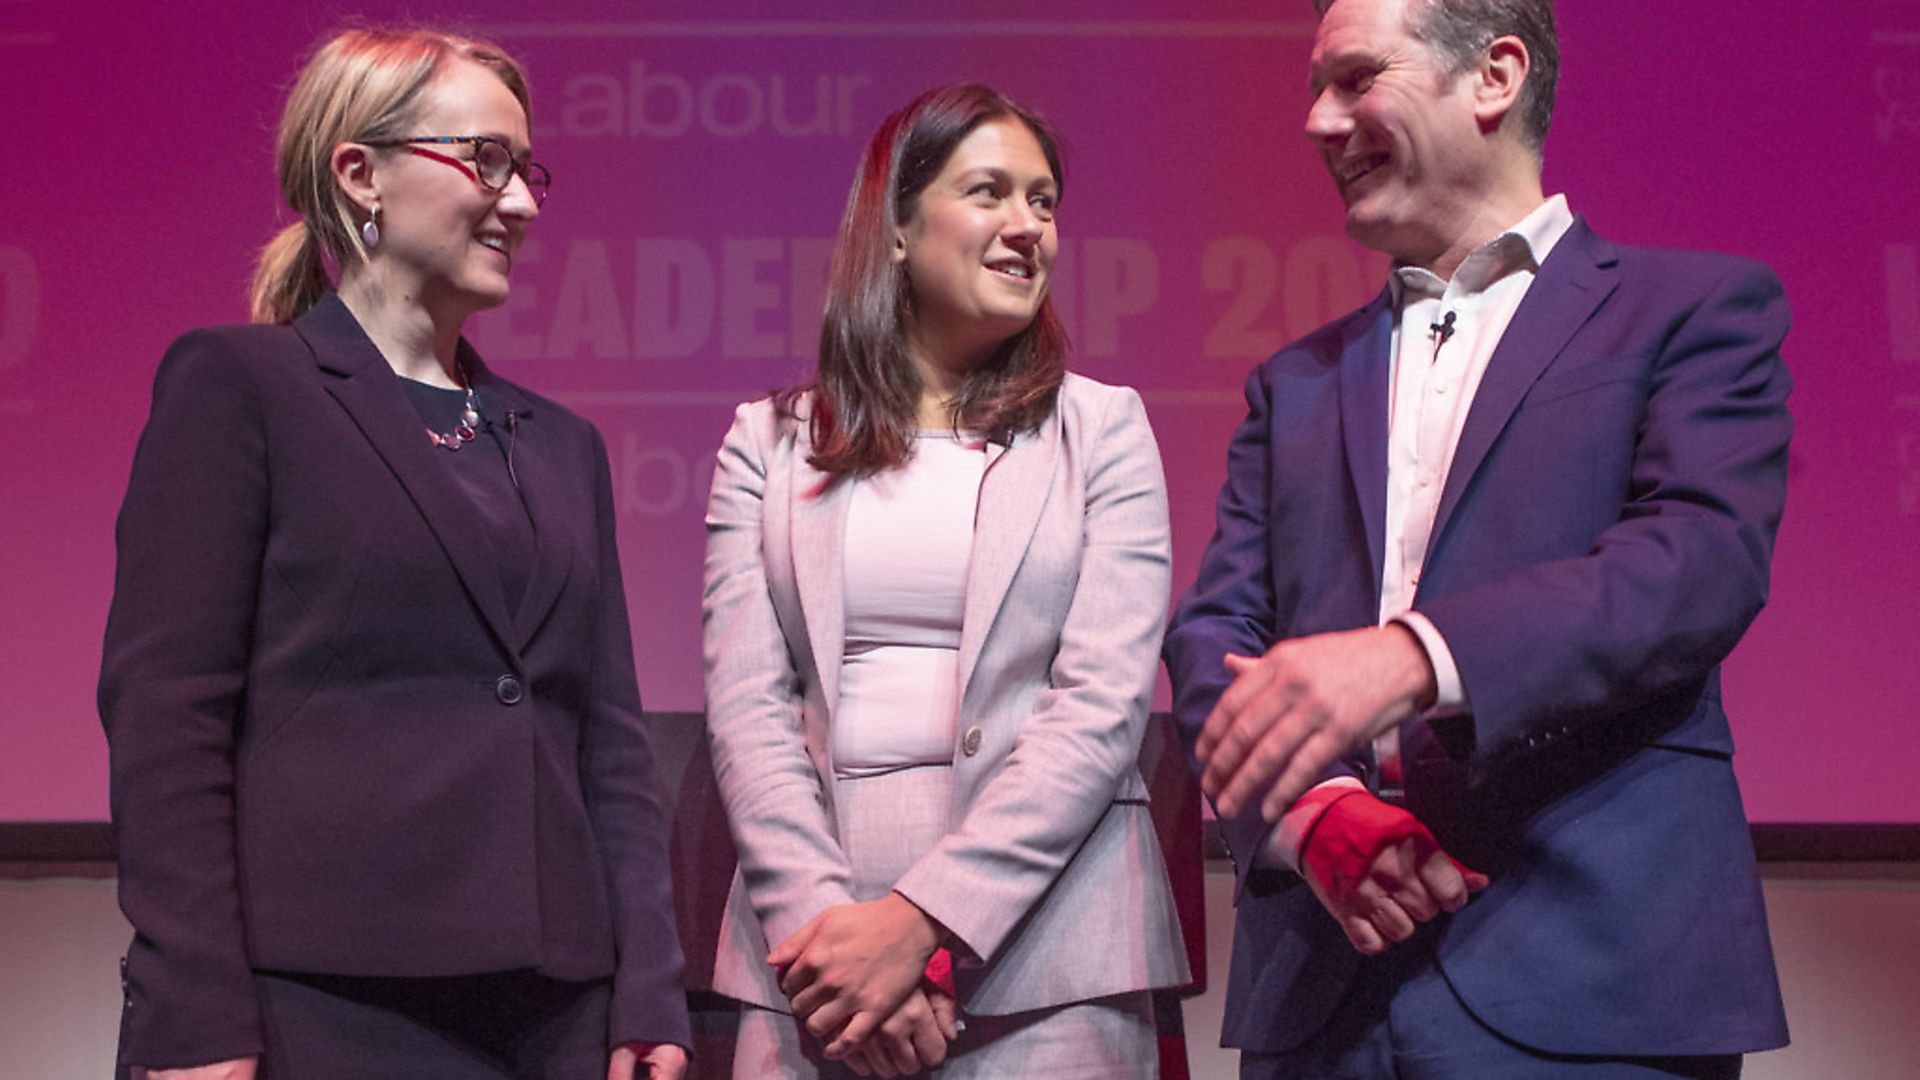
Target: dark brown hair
(866, 391)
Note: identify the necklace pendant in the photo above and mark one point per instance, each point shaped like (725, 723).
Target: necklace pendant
(464, 432)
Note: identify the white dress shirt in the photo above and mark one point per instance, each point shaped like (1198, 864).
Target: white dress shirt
(1445, 333)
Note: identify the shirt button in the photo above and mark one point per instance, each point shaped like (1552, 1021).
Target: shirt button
(970, 742)
(508, 690)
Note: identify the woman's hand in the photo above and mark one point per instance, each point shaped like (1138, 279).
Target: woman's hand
(853, 966)
(915, 1037)
(233, 1069)
(661, 1061)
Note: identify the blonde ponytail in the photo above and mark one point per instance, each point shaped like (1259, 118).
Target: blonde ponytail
(290, 276)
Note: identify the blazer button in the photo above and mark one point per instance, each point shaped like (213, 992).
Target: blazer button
(970, 742)
(508, 690)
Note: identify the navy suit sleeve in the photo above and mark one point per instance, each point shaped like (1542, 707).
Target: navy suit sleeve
(1230, 608)
(190, 538)
(617, 767)
(1667, 590)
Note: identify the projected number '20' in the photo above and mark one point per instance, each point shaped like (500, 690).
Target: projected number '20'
(1321, 278)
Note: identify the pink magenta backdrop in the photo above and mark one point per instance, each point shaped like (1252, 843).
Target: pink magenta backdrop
(701, 154)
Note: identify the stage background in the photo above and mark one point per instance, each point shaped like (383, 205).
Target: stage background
(701, 154)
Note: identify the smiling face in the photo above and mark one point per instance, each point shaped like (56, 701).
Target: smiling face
(979, 246)
(1398, 133)
(445, 241)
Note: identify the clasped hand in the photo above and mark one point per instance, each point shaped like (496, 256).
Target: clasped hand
(1378, 871)
(1287, 716)
(854, 977)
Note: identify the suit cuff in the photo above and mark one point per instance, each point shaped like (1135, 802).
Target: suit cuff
(1283, 845)
(649, 1006)
(1450, 698)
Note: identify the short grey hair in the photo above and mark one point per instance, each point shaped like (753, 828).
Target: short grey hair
(1461, 30)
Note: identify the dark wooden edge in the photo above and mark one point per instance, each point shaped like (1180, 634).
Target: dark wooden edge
(1808, 843)
(56, 842)
(78, 842)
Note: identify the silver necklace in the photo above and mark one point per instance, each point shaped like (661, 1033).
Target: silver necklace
(469, 418)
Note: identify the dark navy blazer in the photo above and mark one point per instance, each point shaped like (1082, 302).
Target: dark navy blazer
(333, 749)
(1602, 542)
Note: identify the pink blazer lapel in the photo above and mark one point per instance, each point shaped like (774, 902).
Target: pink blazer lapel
(1012, 494)
(817, 515)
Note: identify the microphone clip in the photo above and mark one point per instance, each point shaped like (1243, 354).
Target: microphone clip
(513, 439)
(1442, 331)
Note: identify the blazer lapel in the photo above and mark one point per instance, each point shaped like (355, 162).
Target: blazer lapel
(542, 484)
(1366, 360)
(817, 509)
(1013, 491)
(1578, 277)
(372, 396)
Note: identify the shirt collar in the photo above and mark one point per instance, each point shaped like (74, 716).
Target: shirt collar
(1525, 246)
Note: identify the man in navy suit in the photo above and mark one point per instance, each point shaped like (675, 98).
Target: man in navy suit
(1451, 663)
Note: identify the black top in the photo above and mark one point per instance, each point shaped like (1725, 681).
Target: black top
(483, 469)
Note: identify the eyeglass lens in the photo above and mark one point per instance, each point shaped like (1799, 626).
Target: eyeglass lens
(495, 165)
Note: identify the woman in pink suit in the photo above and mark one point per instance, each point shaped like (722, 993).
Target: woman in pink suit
(936, 578)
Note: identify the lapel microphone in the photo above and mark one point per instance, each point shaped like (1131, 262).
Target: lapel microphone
(513, 419)
(1442, 331)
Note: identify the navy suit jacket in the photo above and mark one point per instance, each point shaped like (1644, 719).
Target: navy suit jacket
(1602, 542)
(333, 749)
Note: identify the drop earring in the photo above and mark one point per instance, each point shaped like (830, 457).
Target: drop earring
(370, 232)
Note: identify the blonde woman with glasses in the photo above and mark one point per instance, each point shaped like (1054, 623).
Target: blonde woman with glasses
(384, 794)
